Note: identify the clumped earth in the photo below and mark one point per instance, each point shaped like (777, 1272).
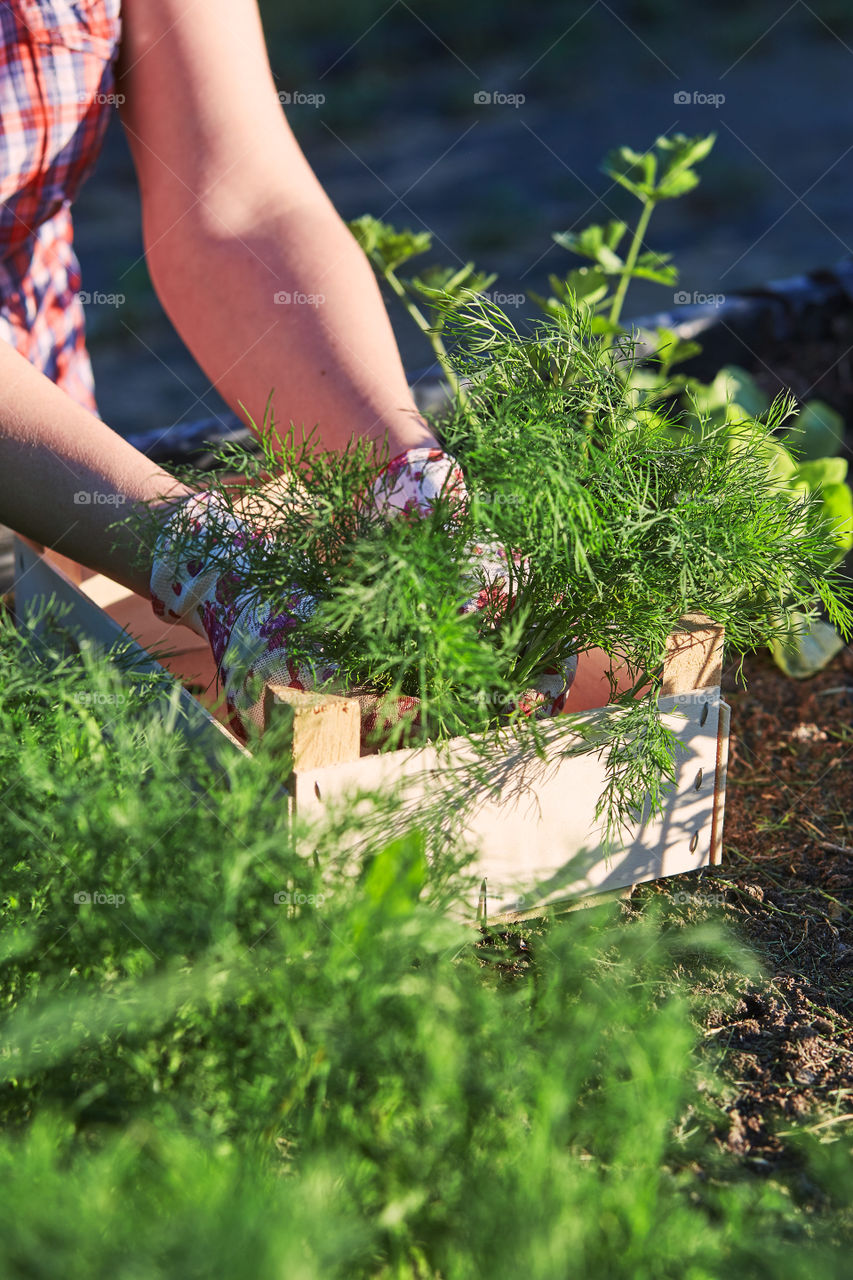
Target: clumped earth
(785, 887)
(785, 890)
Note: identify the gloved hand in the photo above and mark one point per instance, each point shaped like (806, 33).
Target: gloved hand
(200, 573)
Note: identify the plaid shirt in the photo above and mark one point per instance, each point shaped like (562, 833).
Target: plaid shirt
(56, 82)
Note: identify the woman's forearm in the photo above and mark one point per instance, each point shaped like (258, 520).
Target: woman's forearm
(282, 299)
(66, 478)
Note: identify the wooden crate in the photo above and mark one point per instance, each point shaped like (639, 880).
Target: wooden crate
(532, 820)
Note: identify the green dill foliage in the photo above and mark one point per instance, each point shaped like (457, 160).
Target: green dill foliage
(228, 1052)
(613, 525)
(615, 254)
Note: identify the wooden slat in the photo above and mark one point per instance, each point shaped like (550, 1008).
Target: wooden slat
(722, 768)
(532, 820)
(322, 729)
(694, 658)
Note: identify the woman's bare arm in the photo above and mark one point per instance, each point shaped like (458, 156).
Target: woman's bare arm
(65, 477)
(233, 216)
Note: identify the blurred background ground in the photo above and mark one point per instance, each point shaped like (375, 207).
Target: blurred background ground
(400, 135)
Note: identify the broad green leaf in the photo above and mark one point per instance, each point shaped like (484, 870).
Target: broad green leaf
(384, 245)
(550, 306)
(586, 286)
(822, 471)
(818, 431)
(676, 184)
(456, 283)
(838, 508)
(745, 390)
(647, 379)
(805, 652)
(671, 349)
(664, 172)
(681, 152)
(587, 283)
(655, 267)
(731, 385)
(633, 170)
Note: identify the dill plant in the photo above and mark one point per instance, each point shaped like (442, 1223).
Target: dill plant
(614, 525)
(202, 1080)
(613, 255)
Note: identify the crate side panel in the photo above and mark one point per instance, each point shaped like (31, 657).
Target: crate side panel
(533, 821)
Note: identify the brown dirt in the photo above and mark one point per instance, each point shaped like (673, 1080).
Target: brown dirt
(786, 889)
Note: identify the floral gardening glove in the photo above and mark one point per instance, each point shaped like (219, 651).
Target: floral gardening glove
(200, 574)
(200, 579)
(410, 484)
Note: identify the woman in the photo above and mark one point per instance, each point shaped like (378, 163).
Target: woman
(232, 216)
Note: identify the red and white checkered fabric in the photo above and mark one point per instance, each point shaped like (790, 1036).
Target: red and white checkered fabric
(56, 95)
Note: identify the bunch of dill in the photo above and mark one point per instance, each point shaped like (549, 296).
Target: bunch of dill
(613, 525)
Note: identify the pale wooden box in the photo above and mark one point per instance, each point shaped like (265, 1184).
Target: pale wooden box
(532, 821)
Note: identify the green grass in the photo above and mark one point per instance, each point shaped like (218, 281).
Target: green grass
(199, 1081)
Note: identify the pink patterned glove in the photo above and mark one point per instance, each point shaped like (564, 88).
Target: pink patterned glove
(199, 575)
(410, 484)
(199, 579)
